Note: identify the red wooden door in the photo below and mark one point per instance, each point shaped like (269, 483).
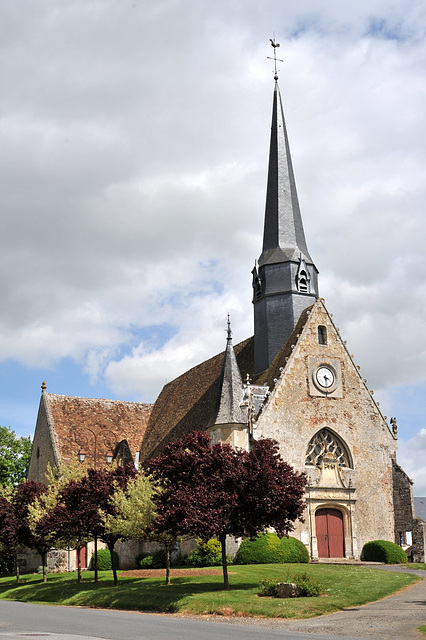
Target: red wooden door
(83, 558)
(330, 539)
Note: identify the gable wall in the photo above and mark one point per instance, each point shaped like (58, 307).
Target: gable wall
(44, 448)
(292, 416)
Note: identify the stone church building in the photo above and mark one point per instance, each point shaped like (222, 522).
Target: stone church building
(294, 380)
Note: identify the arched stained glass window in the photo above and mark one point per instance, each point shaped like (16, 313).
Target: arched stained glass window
(323, 442)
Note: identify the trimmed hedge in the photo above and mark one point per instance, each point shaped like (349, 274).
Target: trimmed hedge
(383, 551)
(104, 560)
(268, 548)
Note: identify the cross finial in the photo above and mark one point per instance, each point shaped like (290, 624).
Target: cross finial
(275, 45)
(229, 332)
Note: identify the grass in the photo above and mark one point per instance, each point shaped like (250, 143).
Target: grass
(415, 565)
(343, 587)
(422, 629)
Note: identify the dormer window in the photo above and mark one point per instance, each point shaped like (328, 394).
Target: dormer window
(322, 335)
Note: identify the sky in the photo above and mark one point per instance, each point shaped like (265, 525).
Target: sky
(133, 157)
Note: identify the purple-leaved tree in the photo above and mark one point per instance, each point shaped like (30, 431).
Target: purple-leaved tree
(208, 491)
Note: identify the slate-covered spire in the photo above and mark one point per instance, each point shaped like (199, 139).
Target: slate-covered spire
(227, 409)
(285, 279)
(283, 235)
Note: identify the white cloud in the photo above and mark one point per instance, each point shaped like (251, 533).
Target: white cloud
(411, 457)
(133, 155)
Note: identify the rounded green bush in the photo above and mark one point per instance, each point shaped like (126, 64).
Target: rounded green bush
(268, 548)
(295, 550)
(383, 551)
(104, 560)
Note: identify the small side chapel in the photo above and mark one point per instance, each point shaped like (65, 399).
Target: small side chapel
(294, 381)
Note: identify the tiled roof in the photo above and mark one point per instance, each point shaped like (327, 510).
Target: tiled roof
(267, 377)
(188, 402)
(96, 425)
(420, 507)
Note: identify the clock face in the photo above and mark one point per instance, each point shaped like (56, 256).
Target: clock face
(325, 377)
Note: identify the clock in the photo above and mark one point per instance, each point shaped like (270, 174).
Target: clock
(325, 376)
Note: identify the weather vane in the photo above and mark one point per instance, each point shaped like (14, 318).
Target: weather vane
(275, 45)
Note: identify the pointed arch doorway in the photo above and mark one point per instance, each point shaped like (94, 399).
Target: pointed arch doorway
(330, 534)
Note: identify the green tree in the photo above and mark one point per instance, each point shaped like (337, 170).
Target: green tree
(128, 511)
(15, 453)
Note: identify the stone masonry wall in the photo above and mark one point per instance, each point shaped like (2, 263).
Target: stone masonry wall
(419, 540)
(293, 415)
(403, 502)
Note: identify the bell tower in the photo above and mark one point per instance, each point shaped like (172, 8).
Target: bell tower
(285, 279)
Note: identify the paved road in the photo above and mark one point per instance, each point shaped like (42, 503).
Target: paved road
(392, 618)
(21, 621)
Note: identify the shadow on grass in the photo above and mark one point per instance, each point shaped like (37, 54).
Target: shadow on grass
(139, 594)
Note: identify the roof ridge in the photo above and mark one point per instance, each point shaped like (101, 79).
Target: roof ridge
(129, 402)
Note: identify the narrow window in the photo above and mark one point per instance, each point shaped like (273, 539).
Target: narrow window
(322, 335)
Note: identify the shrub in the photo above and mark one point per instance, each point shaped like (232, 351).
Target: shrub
(144, 562)
(7, 563)
(306, 585)
(383, 551)
(268, 587)
(104, 560)
(295, 550)
(155, 561)
(268, 548)
(207, 554)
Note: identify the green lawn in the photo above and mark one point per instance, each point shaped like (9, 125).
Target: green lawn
(343, 586)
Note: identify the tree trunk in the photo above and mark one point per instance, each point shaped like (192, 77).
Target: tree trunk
(168, 564)
(17, 567)
(78, 564)
(114, 568)
(96, 558)
(44, 565)
(222, 539)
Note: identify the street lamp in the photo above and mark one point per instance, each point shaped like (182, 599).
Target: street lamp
(81, 455)
(108, 457)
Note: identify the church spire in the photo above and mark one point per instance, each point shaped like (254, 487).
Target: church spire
(283, 236)
(227, 409)
(285, 278)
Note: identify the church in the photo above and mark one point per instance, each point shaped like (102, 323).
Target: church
(294, 381)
